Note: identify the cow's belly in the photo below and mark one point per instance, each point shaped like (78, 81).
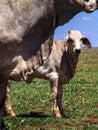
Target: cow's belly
(15, 68)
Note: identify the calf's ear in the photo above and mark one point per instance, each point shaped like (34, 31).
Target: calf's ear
(65, 43)
(86, 42)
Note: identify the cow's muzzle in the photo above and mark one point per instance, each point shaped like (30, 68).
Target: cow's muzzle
(97, 2)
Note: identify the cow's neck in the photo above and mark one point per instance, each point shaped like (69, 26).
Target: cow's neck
(66, 13)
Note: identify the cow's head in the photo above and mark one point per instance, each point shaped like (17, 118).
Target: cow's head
(74, 40)
(67, 9)
(89, 5)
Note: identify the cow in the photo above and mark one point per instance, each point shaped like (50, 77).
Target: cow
(26, 35)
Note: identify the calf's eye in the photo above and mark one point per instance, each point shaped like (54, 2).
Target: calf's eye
(70, 41)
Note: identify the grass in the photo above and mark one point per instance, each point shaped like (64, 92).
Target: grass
(33, 103)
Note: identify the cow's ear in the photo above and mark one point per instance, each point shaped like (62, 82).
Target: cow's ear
(86, 42)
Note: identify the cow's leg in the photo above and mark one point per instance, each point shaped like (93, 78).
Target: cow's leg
(2, 127)
(57, 98)
(3, 86)
(5, 105)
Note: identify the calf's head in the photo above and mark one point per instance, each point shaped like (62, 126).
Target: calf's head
(74, 40)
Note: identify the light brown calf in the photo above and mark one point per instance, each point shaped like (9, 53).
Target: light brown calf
(59, 68)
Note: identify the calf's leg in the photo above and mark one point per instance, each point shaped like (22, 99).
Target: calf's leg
(57, 98)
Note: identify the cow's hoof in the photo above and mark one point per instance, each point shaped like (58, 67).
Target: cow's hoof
(9, 113)
(12, 115)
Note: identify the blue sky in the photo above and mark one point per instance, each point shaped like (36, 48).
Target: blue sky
(87, 24)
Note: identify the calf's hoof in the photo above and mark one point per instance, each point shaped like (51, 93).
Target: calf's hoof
(57, 114)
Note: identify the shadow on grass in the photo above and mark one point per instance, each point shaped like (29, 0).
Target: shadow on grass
(39, 115)
(35, 115)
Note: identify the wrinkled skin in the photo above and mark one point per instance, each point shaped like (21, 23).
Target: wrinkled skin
(26, 35)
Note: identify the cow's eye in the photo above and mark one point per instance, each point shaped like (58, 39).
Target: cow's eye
(70, 40)
(86, 0)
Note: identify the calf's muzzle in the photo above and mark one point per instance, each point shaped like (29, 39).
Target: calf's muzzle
(78, 51)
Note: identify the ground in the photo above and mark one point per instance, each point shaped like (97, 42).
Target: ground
(33, 103)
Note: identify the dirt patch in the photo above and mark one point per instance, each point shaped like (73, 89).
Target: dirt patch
(95, 105)
(93, 116)
(59, 126)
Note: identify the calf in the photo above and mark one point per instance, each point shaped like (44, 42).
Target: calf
(59, 68)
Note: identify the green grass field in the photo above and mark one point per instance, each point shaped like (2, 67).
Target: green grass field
(33, 103)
